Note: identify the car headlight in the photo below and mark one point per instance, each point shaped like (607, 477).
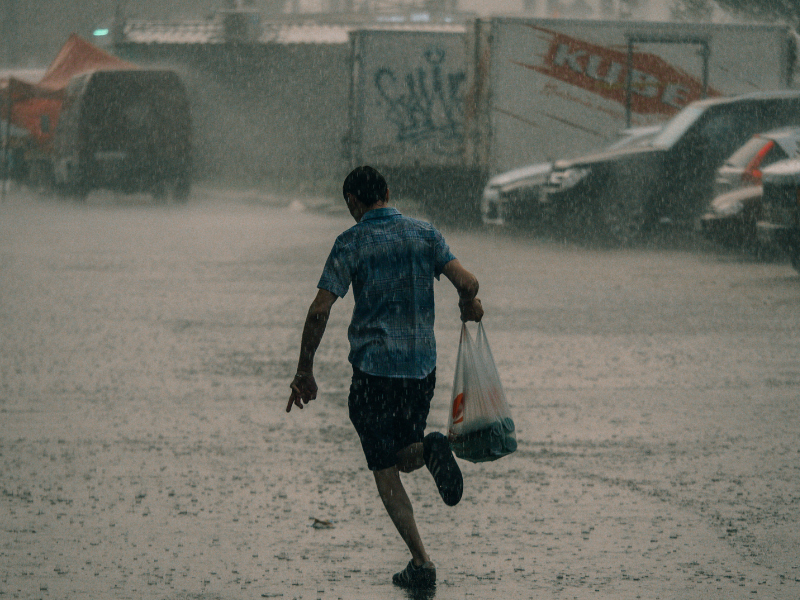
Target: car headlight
(491, 194)
(568, 178)
(491, 210)
(727, 209)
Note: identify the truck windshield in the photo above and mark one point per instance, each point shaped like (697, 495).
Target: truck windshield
(677, 126)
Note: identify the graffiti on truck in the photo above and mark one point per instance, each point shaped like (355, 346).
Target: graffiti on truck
(425, 104)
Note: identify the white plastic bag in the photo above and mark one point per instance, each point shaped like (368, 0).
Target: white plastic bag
(480, 426)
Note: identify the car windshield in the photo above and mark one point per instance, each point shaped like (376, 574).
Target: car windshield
(635, 136)
(677, 126)
(632, 137)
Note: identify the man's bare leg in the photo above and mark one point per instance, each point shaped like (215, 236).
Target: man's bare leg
(410, 458)
(398, 505)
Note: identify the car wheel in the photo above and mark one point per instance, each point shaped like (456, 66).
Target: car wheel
(621, 217)
(749, 236)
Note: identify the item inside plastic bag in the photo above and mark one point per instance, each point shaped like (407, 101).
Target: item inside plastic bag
(479, 426)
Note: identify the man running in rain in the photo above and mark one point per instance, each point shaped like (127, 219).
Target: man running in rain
(391, 261)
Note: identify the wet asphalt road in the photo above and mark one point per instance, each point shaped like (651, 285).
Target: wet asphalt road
(145, 356)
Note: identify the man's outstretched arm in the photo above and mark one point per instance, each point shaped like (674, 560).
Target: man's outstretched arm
(304, 386)
(467, 286)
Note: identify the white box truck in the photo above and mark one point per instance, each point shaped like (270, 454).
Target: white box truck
(547, 89)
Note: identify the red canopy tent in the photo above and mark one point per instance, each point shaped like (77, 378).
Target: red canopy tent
(75, 57)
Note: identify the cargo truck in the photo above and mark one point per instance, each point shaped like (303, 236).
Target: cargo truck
(408, 98)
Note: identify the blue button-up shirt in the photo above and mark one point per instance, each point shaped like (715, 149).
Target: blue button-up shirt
(391, 261)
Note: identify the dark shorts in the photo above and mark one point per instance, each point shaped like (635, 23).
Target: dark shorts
(389, 414)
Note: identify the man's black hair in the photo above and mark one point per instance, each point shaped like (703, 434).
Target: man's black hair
(366, 184)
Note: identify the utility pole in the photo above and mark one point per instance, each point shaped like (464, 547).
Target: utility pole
(118, 27)
(6, 142)
(10, 33)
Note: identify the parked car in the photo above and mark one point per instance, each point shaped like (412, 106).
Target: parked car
(624, 193)
(126, 130)
(514, 196)
(732, 215)
(779, 223)
(743, 167)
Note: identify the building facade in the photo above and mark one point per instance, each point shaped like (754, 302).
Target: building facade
(32, 31)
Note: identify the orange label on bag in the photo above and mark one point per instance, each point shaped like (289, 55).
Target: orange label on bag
(458, 408)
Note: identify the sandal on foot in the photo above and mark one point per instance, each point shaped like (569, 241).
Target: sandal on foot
(443, 466)
(413, 577)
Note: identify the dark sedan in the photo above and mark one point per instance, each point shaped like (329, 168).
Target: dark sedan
(623, 194)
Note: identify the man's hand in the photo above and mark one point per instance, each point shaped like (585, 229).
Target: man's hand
(467, 286)
(304, 390)
(304, 387)
(471, 310)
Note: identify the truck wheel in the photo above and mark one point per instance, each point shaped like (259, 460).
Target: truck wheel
(183, 186)
(794, 256)
(159, 192)
(76, 192)
(40, 177)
